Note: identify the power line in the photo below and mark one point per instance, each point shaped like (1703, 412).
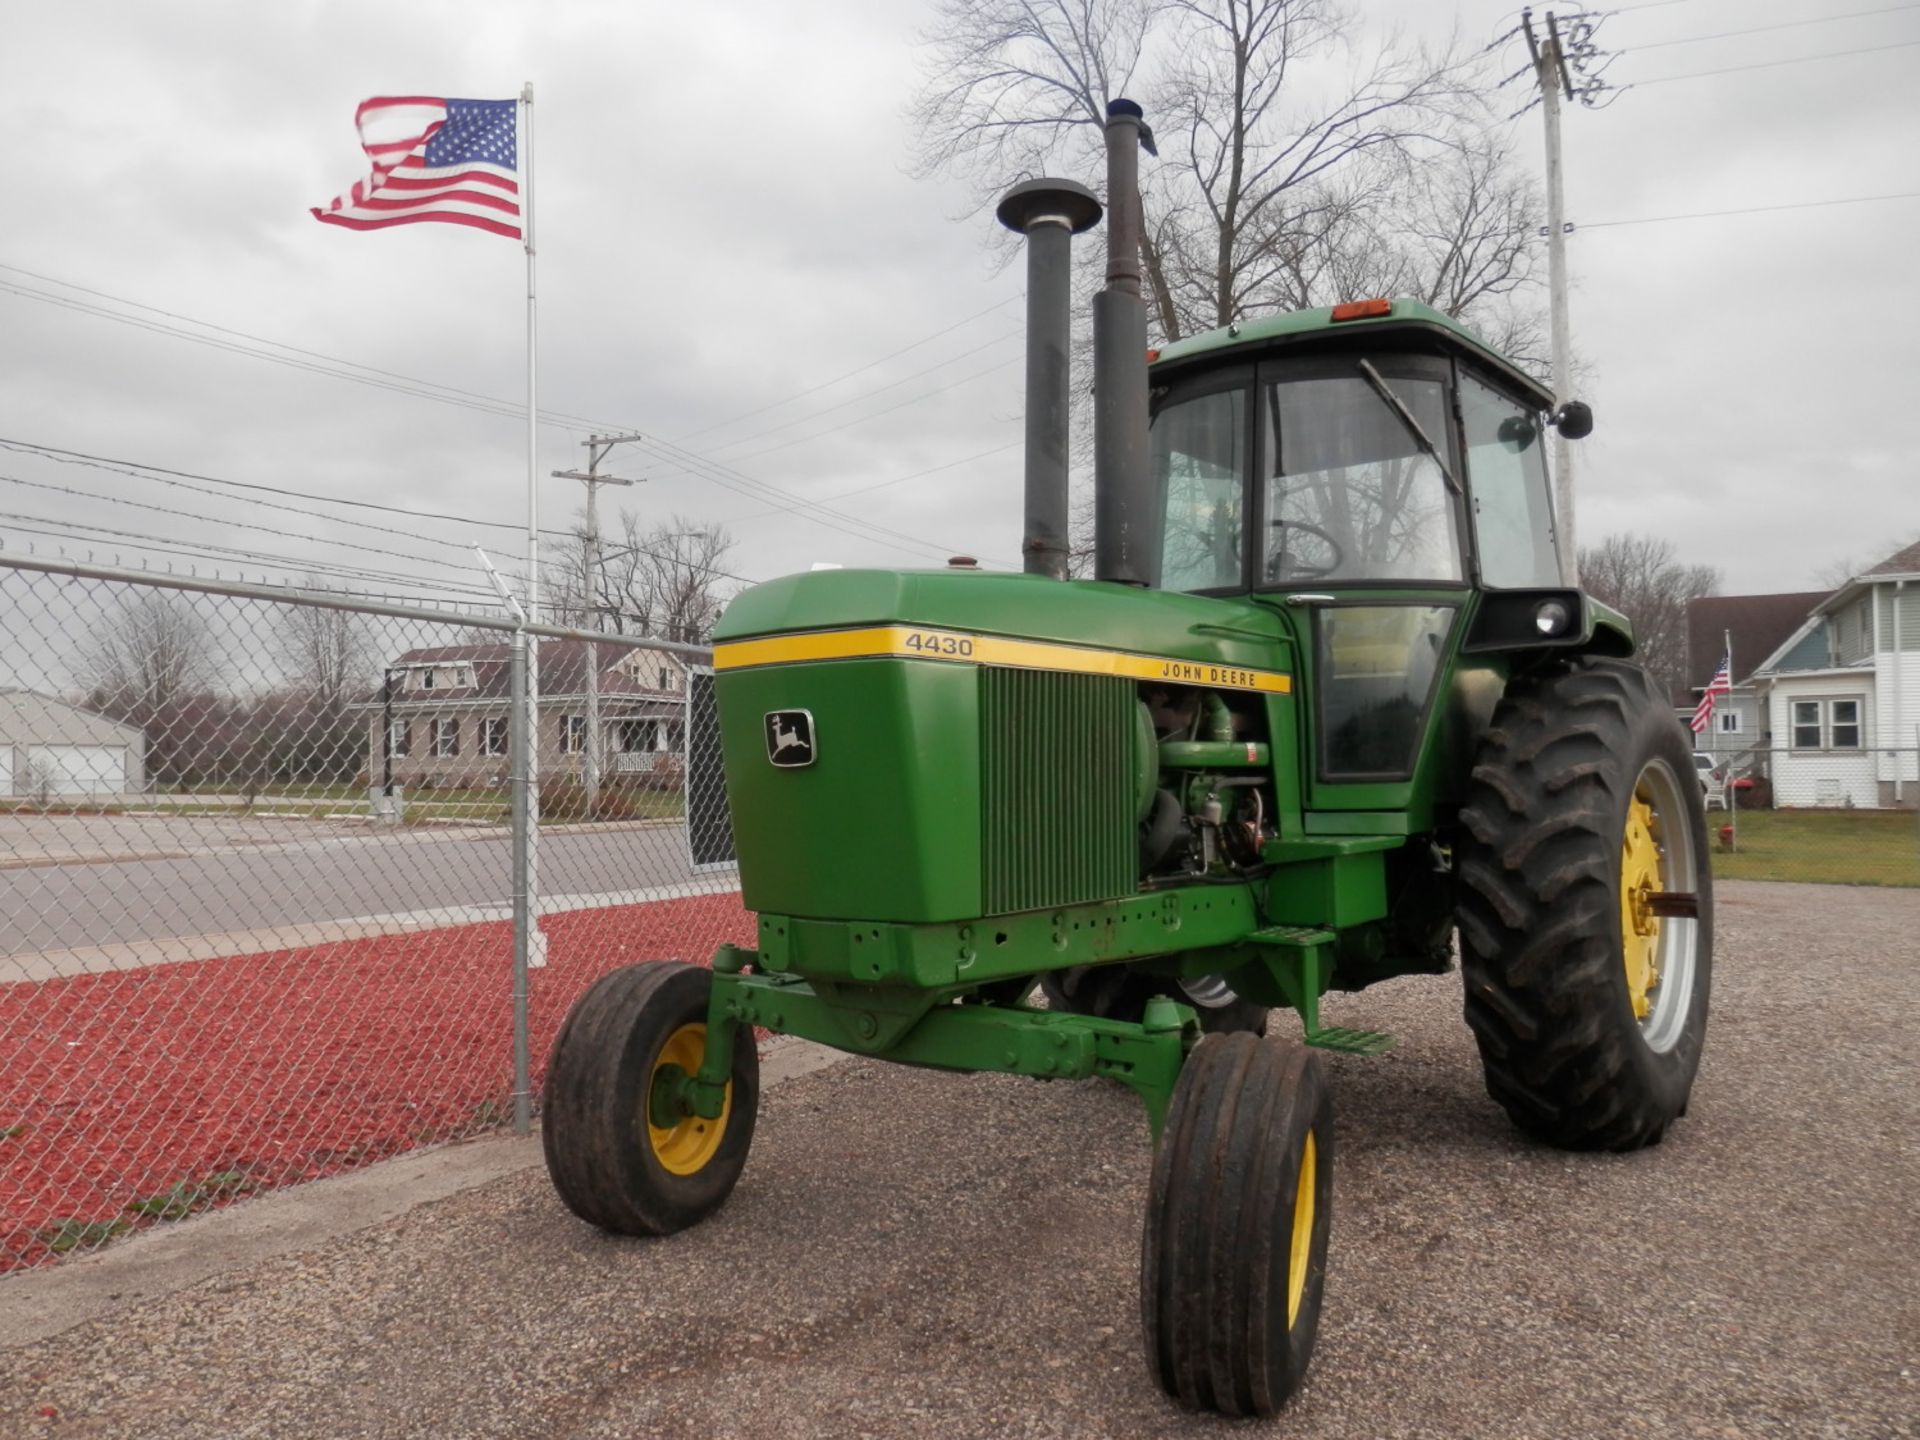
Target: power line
(141, 471)
(1772, 64)
(866, 395)
(241, 524)
(1763, 29)
(138, 471)
(897, 480)
(220, 495)
(863, 419)
(848, 375)
(1750, 210)
(714, 469)
(206, 549)
(246, 335)
(825, 515)
(425, 389)
(502, 408)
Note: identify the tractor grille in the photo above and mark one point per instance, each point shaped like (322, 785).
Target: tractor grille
(1056, 797)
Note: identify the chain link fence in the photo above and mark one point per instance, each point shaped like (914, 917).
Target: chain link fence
(1824, 812)
(279, 894)
(269, 909)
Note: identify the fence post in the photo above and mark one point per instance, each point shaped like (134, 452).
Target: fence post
(520, 743)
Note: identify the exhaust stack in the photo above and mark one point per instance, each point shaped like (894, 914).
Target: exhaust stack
(1049, 213)
(1126, 521)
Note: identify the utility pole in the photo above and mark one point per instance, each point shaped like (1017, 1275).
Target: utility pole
(1550, 70)
(597, 448)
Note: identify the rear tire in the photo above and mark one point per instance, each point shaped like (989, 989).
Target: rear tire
(1233, 1260)
(611, 1161)
(1585, 777)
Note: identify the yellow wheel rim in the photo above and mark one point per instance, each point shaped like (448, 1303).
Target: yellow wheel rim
(1639, 883)
(683, 1148)
(1302, 1245)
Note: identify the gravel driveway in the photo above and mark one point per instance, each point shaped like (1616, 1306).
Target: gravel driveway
(912, 1253)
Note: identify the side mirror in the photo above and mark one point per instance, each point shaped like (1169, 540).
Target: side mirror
(1574, 419)
(1517, 431)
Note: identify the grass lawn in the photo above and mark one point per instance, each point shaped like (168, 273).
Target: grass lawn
(1829, 847)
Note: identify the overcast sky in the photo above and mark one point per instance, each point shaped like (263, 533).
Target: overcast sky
(727, 219)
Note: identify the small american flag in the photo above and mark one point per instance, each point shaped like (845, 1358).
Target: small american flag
(451, 161)
(1721, 684)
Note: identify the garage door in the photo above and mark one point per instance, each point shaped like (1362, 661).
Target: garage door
(78, 769)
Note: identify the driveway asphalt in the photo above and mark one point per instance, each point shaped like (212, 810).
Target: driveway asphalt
(99, 892)
(915, 1253)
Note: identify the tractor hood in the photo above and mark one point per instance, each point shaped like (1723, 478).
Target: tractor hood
(1085, 613)
(926, 746)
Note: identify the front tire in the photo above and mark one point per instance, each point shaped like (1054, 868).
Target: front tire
(616, 1159)
(1234, 1256)
(1586, 908)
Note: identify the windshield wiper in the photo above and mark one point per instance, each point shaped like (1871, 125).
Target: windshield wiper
(1414, 429)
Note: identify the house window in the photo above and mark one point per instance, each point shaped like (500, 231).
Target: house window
(1843, 732)
(663, 681)
(1826, 724)
(573, 734)
(426, 679)
(637, 737)
(493, 735)
(446, 737)
(1729, 722)
(400, 738)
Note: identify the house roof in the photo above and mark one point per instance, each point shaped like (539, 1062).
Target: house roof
(29, 718)
(1902, 562)
(1756, 624)
(563, 670)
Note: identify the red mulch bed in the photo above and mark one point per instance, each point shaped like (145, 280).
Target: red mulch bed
(271, 1069)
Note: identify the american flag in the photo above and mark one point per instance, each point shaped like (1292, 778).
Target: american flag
(1721, 684)
(447, 160)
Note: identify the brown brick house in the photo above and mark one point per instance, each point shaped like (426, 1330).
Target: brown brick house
(446, 710)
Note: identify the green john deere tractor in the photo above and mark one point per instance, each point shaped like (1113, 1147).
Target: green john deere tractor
(1327, 703)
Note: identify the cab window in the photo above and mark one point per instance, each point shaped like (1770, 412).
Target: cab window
(1507, 477)
(1199, 457)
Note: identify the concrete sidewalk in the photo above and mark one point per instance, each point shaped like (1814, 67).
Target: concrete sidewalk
(916, 1253)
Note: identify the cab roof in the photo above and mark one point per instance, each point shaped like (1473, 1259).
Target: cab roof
(1408, 319)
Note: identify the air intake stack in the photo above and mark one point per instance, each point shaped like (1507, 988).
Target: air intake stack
(1126, 520)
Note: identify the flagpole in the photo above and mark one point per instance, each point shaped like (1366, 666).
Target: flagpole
(1733, 790)
(537, 949)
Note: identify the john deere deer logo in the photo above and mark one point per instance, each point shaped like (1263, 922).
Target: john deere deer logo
(790, 738)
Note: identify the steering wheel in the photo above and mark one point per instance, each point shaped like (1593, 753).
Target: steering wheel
(1278, 561)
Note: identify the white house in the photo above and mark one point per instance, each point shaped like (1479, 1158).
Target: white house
(1754, 626)
(51, 748)
(1840, 697)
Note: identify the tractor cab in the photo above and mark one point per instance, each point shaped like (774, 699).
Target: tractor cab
(1317, 450)
(1370, 469)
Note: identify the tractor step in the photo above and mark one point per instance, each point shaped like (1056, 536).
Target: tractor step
(1351, 1042)
(1309, 946)
(1299, 937)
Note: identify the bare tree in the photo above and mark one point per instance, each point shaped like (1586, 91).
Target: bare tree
(665, 582)
(327, 653)
(308, 733)
(1641, 577)
(1276, 190)
(152, 663)
(153, 652)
